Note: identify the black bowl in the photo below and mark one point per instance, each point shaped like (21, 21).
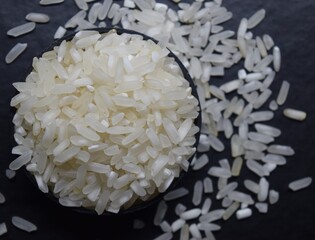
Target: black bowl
(144, 204)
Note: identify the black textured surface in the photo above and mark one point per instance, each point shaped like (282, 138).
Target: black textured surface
(291, 23)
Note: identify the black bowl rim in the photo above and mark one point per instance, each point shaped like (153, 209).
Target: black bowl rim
(144, 204)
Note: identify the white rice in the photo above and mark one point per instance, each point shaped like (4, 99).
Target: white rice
(112, 11)
(81, 4)
(212, 216)
(276, 58)
(250, 154)
(236, 146)
(190, 214)
(184, 232)
(294, 114)
(160, 213)
(273, 105)
(258, 137)
(50, 2)
(254, 146)
(274, 159)
(270, 167)
(261, 116)
(37, 17)
(73, 22)
(228, 128)
(219, 172)
(257, 168)
(129, 4)
(231, 86)
(165, 236)
(224, 163)
(262, 207)
(16, 51)
(216, 143)
(2, 198)
(237, 166)
(269, 43)
(230, 210)
(61, 31)
(261, 100)
(93, 12)
(263, 190)
(273, 196)
(261, 47)
(243, 213)
(268, 130)
(10, 174)
(195, 231)
(300, 183)
(283, 93)
(23, 224)
(207, 185)
(208, 226)
(241, 197)
(104, 9)
(222, 182)
(206, 206)
(177, 225)
(21, 29)
(3, 229)
(209, 235)
(256, 18)
(201, 162)
(226, 190)
(165, 226)
(175, 194)
(197, 194)
(20, 161)
(251, 186)
(268, 81)
(281, 150)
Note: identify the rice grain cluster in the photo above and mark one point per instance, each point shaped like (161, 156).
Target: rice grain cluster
(103, 121)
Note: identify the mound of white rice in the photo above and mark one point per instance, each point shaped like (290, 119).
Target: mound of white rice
(104, 120)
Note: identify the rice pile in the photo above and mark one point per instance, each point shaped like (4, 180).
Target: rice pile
(236, 114)
(104, 120)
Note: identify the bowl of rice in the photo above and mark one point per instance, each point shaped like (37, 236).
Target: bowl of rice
(107, 121)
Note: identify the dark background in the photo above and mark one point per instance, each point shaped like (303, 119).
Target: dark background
(291, 23)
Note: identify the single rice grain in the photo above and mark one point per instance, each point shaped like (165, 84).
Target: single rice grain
(300, 183)
(23, 224)
(16, 51)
